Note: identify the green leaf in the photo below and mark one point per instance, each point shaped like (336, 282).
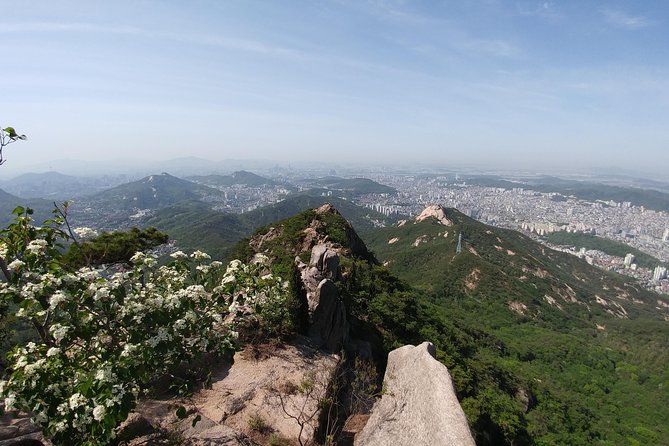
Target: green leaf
(196, 420)
(181, 412)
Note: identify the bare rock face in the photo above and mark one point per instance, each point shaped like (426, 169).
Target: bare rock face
(434, 211)
(271, 389)
(208, 433)
(419, 406)
(328, 326)
(276, 393)
(326, 261)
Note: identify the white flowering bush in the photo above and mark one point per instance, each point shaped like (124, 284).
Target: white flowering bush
(102, 338)
(261, 296)
(85, 233)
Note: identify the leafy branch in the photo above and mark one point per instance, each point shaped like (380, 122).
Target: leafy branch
(8, 136)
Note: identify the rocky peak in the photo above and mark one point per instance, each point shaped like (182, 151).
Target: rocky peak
(435, 211)
(328, 326)
(327, 208)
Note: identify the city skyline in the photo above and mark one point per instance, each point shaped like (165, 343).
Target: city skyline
(491, 83)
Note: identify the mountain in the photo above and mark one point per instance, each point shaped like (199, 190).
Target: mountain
(152, 192)
(241, 177)
(183, 166)
(589, 345)
(353, 186)
(382, 313)
(57, 186)
(8, 202)
(195, 226)
(424, 253)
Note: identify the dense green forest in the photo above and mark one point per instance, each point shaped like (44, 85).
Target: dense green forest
(576, 371)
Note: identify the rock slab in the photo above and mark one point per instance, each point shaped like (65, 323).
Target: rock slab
(328, 326)
(419, 406)
(437, 212)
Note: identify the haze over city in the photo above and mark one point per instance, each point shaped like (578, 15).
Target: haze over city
(492, 83)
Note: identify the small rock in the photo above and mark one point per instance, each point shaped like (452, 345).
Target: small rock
(136, 425)
(354, 424)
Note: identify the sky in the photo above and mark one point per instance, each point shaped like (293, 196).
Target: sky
(494, 83)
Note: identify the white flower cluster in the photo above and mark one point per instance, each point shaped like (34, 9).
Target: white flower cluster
(85, 233)
(16, 265)
(37, 246)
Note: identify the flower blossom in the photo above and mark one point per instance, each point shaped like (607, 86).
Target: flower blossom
(57, 298)
(99, 413)
(77, 400)
(58, 332)
(85, 233)
(37, 246)
(199, 255)
(53, 351)
(16, 265)
(179, 255)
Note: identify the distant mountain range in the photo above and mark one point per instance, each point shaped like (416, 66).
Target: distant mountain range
(183, 166)
(195, 226)
(241, 177)
(354, 186)
(8, 202)
(57, 186)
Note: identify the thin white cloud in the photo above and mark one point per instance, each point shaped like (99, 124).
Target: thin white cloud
(496, 48)
(52, 27)
(198, 39)
(623, 20)
(540, 9)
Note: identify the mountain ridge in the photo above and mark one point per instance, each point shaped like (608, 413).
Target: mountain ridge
(240, 177)
(152, 192)
(577, 336)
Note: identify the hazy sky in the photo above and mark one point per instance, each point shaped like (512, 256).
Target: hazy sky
(499, 82)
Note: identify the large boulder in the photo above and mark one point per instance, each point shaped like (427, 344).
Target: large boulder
(419, 406)
(326, 261)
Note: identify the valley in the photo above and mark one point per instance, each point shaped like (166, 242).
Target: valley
(543, 346)
(575, 216)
